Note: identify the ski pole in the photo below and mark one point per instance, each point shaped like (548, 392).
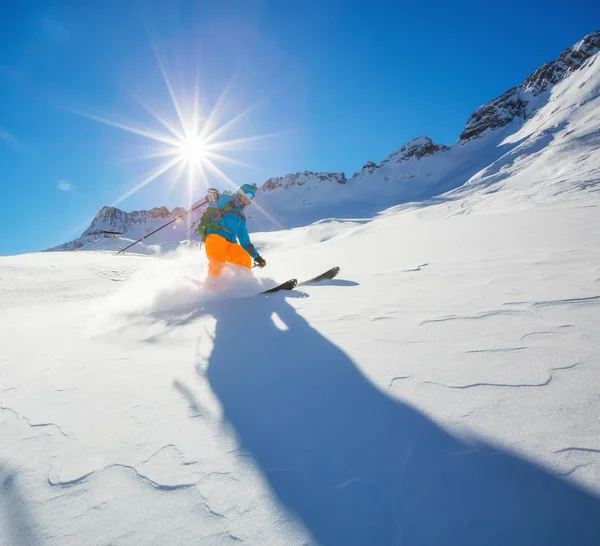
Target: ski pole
(193, 225)
(162, 227)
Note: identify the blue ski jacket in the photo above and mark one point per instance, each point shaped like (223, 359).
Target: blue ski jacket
(228, 221)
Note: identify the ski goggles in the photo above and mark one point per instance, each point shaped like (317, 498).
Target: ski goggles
(248, 195)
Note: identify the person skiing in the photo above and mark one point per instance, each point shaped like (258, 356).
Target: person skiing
(223, 224)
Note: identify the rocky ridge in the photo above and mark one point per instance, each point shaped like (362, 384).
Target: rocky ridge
(519, 102)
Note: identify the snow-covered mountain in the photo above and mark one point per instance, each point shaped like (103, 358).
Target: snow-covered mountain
(134, 223)
(113, 228)
(418, 170)
(300, 179)
(521, 101)
(443, 390)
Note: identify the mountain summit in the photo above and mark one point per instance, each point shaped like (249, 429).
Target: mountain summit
(523, 100)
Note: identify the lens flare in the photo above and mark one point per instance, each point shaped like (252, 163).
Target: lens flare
(189, 142)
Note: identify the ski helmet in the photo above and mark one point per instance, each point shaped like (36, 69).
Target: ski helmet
(246, 191)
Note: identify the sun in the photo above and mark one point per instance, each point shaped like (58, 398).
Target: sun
(193, 143)
(193, 150)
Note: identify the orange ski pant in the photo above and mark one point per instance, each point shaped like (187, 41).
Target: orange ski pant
(220, 251)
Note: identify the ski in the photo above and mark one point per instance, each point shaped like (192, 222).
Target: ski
(292, 283)
(328, 275)
(287, 285)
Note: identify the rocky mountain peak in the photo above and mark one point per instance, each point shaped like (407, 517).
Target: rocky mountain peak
(116, 220)
(516, 102)
(300, 179)
(569, 60)
(368, 168)
(418, 147)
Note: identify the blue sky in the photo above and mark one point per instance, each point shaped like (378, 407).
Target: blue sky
(335, 83)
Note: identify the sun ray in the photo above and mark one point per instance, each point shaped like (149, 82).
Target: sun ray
(190, 190)
(193, 182)
(196, 111)
(154, 155)
(209, 122)
(158, 172)
(179, 169)
(229, 144)
(222, 175)
(267, 215)
(203, 179)
(225, 127)
(141, 132)
(171, 91)
(213, 168)
(173, 130)
(233, 161)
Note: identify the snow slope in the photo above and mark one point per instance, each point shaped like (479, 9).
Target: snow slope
(442, 390)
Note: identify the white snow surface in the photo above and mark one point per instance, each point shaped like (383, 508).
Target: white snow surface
(442, 390)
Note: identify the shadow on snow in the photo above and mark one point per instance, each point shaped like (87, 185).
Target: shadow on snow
(358, 467)
(16, 522)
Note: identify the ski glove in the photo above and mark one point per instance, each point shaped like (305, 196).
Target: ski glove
(212, 195)
(260, 262)
(202, 232)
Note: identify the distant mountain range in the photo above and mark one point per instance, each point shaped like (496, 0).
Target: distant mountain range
(418, 170)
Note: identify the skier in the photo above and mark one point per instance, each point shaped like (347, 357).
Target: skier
(222, 225)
